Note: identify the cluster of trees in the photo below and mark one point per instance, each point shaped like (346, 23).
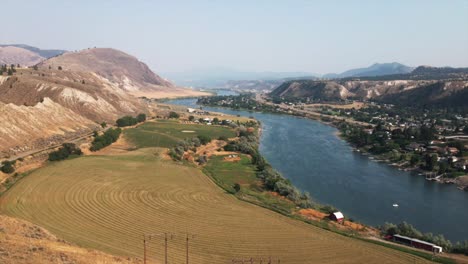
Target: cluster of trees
(394, 144)
(242, 101)
(108, 137)
(8, 166)
(178, 151)
(8, 69)
(130, 120)
(384, 140)
(64, 152)
(408, 230)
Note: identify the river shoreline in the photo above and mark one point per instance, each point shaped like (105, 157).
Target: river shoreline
(440, 180)
(326, 159)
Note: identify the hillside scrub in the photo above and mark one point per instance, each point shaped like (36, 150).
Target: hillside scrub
(130, 120)
(64, 152)
(8, 166)
(174, 115)
(104, 140)
(126, 121)
(187, 144)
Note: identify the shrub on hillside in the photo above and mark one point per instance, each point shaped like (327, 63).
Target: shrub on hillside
(104, 140)
(141, 118)
(126, 121)
(7, 166)
(237, 187)
(174, 115)
(204, 139)
(64, 152)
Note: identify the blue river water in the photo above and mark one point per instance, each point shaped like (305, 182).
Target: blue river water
(317, 161)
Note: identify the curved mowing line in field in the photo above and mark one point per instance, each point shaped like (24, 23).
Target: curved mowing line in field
(105, 203)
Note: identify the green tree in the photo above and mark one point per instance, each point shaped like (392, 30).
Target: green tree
(431, 161)
(237, 187)
(215, 120)
(204, 139)
(108, 137)
(191, 118)
(126, 121)
(141, 118)
(59, 68)
(64, 152)
(415, 159)
(442, 167)
(103, 124)
(174, 115)
(7, 166)
(35, 67)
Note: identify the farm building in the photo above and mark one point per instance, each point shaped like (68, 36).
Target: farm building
(416, 243)
(337, 216)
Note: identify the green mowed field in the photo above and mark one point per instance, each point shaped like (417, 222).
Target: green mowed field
(227, 173)
(109, 202)
(166, 133)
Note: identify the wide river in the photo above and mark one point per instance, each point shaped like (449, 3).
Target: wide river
(317, 161)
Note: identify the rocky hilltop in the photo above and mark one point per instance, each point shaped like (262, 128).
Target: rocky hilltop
(116, 66)
(45, 53)
(424, 85)
(14, 55)
(121, 70)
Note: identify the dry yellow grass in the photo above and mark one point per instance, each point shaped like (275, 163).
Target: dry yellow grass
(22, 242)
(109, 202)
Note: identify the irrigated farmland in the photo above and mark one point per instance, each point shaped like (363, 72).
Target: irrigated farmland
(166, 133)
(109, 202)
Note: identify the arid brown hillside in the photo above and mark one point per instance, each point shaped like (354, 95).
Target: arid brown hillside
(368, 89)
(44, 107)
(116, 66)
(70, 94)
(22, 242)
(15, 55)
(121, 71)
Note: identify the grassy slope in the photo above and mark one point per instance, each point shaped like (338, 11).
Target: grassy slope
(166, 133)
(108, 202)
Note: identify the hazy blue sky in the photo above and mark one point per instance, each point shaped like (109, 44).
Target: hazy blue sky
(312, 36)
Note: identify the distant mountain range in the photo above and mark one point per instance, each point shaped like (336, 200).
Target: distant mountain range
(377, 69)
(25, 55)
(41, 52)
(223, 77)
(219, 77)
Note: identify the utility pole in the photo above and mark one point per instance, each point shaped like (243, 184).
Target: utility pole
(144, 249)
(165, 248)
(187, 245)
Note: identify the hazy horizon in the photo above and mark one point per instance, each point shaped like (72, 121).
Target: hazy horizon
(267, 36)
